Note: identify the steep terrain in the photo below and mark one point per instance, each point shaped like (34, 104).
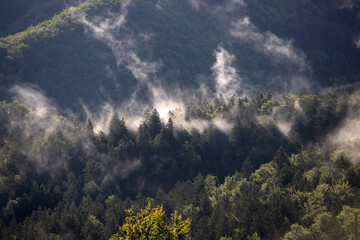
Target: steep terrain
(84, 54)
(242, 115)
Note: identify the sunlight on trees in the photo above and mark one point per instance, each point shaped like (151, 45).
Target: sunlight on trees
(149, 224)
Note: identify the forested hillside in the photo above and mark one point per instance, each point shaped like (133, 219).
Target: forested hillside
(241, 116)
(265, 167)
(93, 51)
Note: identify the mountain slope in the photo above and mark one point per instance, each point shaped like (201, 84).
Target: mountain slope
(77, 57)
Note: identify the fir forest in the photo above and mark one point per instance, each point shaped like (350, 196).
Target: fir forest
(179, 119)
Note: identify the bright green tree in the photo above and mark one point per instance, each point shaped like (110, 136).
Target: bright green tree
(149, 224)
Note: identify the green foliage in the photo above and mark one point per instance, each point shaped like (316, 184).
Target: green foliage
(149, 224)
(50, 28)
(61, 180)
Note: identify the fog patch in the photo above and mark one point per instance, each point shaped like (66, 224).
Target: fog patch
(350, 4)
(357, 41)
(112, 31)
(33, 98)
(178, 117)
(284, 127)
(38, 120)
(200, 125)
(227, 80)
(141, 69)
(197, 124)
(346, 139)
(163, 103)
(286, 115)
(101, 120)
(280, 50)
(222, 124)
(41, 128)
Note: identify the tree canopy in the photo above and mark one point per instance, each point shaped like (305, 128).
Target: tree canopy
(149, 224)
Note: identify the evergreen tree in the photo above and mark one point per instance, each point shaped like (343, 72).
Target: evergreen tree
(117, 130)
(154, 124)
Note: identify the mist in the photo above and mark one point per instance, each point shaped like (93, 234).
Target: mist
(280, 51)
(227, 80)
(357, 41)
(345, 139)
(34, 98)
(42, 106)
(348, 4)
(42, 129)
(113, 32)
(198, 106)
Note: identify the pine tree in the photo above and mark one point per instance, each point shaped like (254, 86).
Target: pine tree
(154, 124)
(117, 130)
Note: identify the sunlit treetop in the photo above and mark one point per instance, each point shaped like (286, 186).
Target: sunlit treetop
(149, 224)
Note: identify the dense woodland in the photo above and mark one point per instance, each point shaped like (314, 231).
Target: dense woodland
(60, 180)
(278, 159)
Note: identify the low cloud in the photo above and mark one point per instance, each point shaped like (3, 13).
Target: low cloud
(346, 139)
(357, 41)
(40, 119)
(141, 69)
(163, 102)
(227, 80)
(33, 97)
(280, 50)
(284, 117)
(284, 127)
(42, 129)
(178, 117)
(39, 125)
(222, 124)
(341, 4)
(101, 120)
(113, 32)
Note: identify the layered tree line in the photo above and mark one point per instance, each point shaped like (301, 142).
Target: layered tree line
(285, 168)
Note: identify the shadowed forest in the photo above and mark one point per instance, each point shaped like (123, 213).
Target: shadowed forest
(242, 116)
(286, 167)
